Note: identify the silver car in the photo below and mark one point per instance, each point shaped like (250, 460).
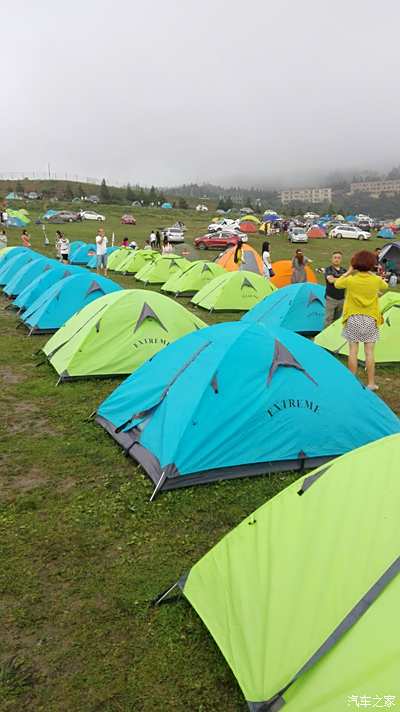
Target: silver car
(174, 235)
(298, 234)
(349, 231)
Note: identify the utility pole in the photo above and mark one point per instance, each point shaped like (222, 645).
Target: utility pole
(48, 167)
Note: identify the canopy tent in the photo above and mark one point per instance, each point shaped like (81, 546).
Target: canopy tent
(21, 279)
(10, 267)
(387, 349)
(57, 304)
(248, 226)
(92, 261)
(270, 216)
(194, 278)
(253, 261)
(297, 307)
(283, 273)
(136, 260)
(17, 218)
(301, 597)
(117, 333)
(391, 253)
(82, 255)
(233, 291)
(38, 286)
(239, 399)
(160, 270)
(387, 233)
(316, 231)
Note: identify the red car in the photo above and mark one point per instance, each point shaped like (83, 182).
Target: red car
(218, 240)
(128, 220)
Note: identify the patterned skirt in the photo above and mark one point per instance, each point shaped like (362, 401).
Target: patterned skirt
(361, 329)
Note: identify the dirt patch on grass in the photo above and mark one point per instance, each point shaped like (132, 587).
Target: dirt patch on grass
(23, 417)
(9, 377)
(21, 483)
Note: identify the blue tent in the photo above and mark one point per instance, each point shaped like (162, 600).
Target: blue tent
(351, 218)
(43, 281)
(10, 253)
(14, 264)
(21, 279)
(167, 206)
(92, 263)
(82, 255)
(386, 232)
(271, 217)
(297, 307)
(74, 246)
(239, 399)
(52, 309)
(15, 221)
(49, 214)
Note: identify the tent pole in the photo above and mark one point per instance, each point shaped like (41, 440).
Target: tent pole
(159, 485)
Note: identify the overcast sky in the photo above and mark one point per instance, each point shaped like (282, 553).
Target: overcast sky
(219, 90)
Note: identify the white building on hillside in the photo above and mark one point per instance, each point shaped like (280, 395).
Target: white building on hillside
(306, 195)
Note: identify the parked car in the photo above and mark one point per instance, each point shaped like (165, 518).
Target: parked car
(349, 231)
(225, 222)
(174, 234)
(91, 215)
(128, 220)
(297, 234)
(218, 241)
(64, 216)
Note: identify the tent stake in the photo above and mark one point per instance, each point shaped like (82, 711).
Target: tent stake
(162, 596)
(159, 485)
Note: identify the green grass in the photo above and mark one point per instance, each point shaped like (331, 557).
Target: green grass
(83, 552)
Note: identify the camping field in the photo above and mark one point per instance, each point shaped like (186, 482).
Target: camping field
(82, 550)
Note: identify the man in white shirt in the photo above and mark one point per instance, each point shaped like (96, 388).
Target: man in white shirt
(153, 240)
(101, 251)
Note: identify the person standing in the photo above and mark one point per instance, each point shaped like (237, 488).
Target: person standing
(334, 297)
(26, 240)
(153, 240)
(361, 313)
(101, 251)
(158, 240)
(167, 247)
(64, 248)
(3, 239)
(238, 256)
(58, 244)
(299, 264)
(266, 258)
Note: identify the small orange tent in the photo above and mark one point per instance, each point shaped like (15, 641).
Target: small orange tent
(248, 226)
(253, 261)
(283, 273)
(316, 232)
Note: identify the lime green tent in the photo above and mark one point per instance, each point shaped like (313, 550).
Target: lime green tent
(387, 349)
(193, 278)
(136, 260)
(233, 291)
(118, 257)
(116, 333)
(161, 270)
(302, 597)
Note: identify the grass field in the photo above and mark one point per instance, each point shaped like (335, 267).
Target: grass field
(83, 552)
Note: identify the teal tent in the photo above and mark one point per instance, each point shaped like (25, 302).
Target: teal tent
(239, 399)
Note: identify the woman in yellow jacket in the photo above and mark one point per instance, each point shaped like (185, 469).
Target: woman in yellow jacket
(361, 313)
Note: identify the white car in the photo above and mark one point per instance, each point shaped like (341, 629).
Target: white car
(91, 215)
(174, 234)
(298, 234)
(349, 231)
(225, 222)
